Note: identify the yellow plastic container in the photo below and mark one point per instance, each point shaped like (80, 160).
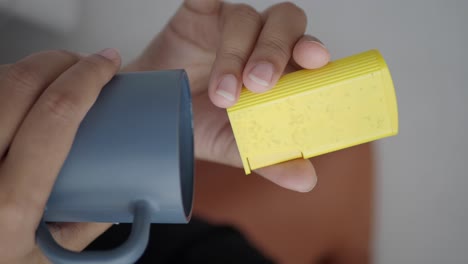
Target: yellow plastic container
(311, 112)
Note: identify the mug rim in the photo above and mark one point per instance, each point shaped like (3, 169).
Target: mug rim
(186, 146)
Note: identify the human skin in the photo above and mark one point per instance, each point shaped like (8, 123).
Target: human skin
(44, 97)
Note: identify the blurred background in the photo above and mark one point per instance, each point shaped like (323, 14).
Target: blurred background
(417, 180)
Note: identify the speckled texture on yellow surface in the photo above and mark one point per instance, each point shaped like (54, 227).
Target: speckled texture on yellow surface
(311, 112)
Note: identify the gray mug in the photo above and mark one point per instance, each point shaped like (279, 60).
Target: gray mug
(132, 161)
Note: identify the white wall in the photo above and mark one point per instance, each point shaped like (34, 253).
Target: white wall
(422, 201)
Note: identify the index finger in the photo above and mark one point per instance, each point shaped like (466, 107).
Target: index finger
(43, 141)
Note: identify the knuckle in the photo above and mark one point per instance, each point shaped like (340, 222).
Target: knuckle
(276, 46)
(96, 68)
(248, 13)
(62, 105)
(234, 56)
(292, 10)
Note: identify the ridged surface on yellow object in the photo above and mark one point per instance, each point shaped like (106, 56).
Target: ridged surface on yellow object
(311, 112)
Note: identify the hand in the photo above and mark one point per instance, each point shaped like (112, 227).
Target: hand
(43, 99)
(223, 46)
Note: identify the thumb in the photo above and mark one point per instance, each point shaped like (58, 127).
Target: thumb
(298, 175)
(76, 236)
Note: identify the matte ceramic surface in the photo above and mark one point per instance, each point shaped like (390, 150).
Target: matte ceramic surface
(132, 159)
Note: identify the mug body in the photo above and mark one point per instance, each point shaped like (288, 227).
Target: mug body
(136, 143)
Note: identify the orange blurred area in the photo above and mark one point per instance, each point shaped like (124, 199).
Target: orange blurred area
(331, 224)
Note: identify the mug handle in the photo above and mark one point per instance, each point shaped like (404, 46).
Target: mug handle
(129, 252)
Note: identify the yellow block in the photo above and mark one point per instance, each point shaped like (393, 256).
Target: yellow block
(311, 112)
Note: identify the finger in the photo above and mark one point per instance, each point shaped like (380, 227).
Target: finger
(76, 236)
(310, 53)
(240, 30)
(297, 175)
(285, 24)
(216, 143)
(45, 137)
(22, 83)
(202, 6)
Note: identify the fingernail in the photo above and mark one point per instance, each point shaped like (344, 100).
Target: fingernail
(303, 180)
(227, 88)
(301, 185)
(318, 43)
(313, 39)
(111, 54)
(262, 74)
